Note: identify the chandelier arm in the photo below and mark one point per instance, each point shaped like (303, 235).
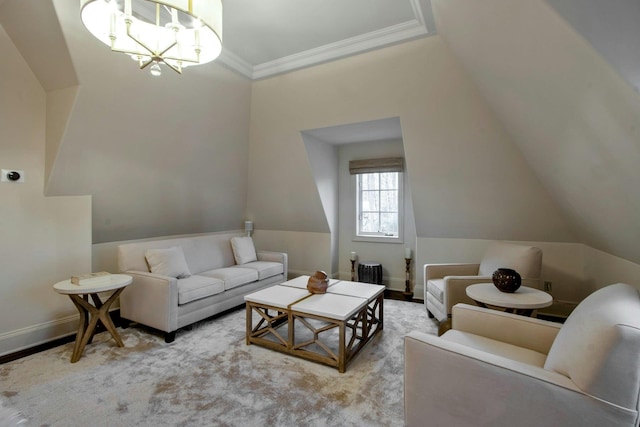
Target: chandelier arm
(161, 54)
(173, 58)
(146, 64)
(132, 37)
(174, 68)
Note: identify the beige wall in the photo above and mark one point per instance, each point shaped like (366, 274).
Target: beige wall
(160, 156)
(467, 179)
(572, 116)
(604, 269)
(44, 239)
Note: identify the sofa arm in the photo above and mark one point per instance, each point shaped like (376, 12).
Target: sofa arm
(151, 299)
(447, 383)
(521, 331)
(280, 257)
(438, 271)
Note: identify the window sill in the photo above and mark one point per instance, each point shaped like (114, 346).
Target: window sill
(378, 239)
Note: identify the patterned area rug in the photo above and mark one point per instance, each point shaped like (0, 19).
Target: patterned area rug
(209, 377)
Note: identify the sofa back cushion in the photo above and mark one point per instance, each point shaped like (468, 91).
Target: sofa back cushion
(243, 250)
(168, 262)
(526, 260)
(598, 346)
(202, 253)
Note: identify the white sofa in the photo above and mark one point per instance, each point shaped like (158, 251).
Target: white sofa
(167, 295)
(500, 369)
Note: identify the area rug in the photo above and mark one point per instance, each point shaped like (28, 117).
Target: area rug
(209, 377)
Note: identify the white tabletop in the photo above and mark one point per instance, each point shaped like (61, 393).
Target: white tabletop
(277, 296)
(333, 306)
(116, 281)
(523, 298)
(357, 289)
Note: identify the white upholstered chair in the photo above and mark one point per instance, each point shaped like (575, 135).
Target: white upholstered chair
(500, 369)
(445, 284)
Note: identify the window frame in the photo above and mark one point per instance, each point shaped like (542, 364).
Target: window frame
(379, 237)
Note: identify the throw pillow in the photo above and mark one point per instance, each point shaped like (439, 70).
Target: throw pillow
(243, 250)
(168, 262)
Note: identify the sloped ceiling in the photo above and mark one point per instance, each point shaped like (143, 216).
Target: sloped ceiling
(574, 118)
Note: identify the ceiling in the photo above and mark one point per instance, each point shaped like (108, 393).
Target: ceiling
(374, 130)
(260, 38)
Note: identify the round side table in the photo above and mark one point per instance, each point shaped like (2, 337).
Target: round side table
(523, 301)
(90, 314)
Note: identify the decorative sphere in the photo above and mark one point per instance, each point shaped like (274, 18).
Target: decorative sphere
(506, 280)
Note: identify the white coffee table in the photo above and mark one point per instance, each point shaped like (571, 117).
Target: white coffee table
(523, 301)
(308, 321)
(90, 314)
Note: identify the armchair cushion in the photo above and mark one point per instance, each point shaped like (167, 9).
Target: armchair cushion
(436, 288)
(526, 260)
(602, 335)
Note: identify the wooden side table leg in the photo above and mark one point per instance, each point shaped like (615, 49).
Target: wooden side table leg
(87, 332)
(105, 317)
(82, 327)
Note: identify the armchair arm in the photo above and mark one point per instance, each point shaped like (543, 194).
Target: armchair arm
(456, 289)
(448, 383)
(151, 299)
(438, 271)
(275, 257)
(526, 332)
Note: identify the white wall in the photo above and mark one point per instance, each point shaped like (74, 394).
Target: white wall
(44, 239)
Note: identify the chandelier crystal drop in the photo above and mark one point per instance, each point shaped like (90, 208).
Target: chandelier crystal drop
(177, 33)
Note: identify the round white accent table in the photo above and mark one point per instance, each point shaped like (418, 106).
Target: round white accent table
(90, 314)
(523, 301)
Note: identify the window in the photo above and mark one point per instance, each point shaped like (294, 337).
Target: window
(379, 205)
(379, 199)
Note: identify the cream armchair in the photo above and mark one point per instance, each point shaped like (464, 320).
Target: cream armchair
(500, 369)
(445, 284)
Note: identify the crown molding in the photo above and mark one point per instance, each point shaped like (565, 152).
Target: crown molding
(405, 31)
(236, 63)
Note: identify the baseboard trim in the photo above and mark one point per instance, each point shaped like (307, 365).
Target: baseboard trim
(43, 336)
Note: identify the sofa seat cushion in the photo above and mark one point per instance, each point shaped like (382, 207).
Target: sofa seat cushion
(197, 287)
(436, 288)
(265, 269)
(233, 276)
(497, 348)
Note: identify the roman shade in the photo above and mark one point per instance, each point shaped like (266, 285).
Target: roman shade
(387, 164)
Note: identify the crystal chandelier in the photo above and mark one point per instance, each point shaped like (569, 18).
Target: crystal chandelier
(177, 33)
